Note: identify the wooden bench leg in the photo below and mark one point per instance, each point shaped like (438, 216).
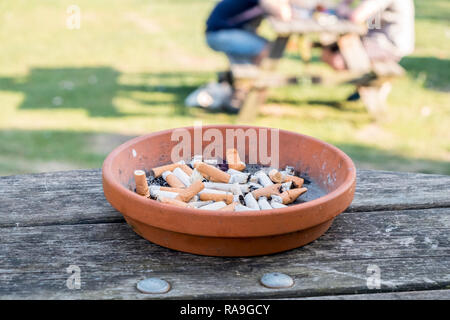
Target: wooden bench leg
(375, 99)
(250, 109)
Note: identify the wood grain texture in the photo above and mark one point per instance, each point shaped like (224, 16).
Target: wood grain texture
(410, 247)
(408, 295)
(76, 197)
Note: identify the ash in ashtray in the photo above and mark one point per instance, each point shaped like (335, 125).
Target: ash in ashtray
(214, 184)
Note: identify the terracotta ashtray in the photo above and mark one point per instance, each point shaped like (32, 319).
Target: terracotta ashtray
(227, 233)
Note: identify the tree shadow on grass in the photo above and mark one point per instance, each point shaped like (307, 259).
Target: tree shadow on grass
(434, 71)
(94, 89)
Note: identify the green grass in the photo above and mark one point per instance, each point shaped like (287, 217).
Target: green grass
(68, 97)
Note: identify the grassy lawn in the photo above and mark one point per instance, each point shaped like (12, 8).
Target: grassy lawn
(68, 97)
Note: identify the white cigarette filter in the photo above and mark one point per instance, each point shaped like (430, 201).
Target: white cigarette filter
(240, 207)
(263, 179)
(286, 186)
(233, 171)
(209, 190)
(277, 205)
(238, 178)
(251, 202)
(195, 176)
(264, 204)
(255, 185)
(233, 188)
(199, 204)
(172, 180)
(214, 206)
(276, 198)
(253, 179)
(182, 176)
(211, 162)
(161, 193)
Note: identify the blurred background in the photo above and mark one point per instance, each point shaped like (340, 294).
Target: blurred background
(69, 96)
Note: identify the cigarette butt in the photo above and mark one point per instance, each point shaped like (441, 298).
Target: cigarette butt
(174, 202)
(250, 201)
(215, 191)
(233, 160)
(229, 207)
(277, 205)
(297, 181)
(226, 197)
(182, 176)
(199, 204)
(190, 191)
(186, 169)
(264, 204)
(240, 207)
(172, 180)
(214, 206)
(195, 176)
(276, 176)
(267, 191)
(290, 196)
(213, 173)
(141, 183)
(170, 189)
(286, 186)
(158, 171)
(263, 179)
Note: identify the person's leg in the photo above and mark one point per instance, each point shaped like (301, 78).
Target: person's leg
(241, 46)
(334, 58)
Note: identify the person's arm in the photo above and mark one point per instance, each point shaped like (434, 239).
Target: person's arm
(278, 8)
(368, 9)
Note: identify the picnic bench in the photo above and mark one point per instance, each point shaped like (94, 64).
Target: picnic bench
(370, 78)
(396, 230)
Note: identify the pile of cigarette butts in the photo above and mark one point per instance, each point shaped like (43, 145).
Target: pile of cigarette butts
(203, 184)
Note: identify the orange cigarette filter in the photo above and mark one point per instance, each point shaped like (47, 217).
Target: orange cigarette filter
(175, 202)
(226, 197)
(173, 181)
(297, 181)
(187, 194)
(290, 196)
(170, 189)
(213, 173)
(276, 176)
(229, 207)
(186, 169)
(141, 183)
(233, 160)
(267, 191)
(158, 171)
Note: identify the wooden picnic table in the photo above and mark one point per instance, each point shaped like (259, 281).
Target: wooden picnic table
(398, 222)
(347, 36)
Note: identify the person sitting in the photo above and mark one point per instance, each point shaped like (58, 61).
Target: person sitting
(391, 40)
(231, 28)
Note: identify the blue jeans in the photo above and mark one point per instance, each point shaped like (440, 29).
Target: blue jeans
(241, 46)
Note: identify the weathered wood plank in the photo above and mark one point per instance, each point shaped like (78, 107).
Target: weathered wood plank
(409, 295)
(74, 197)
(387, 190)
(67, 197)
(411, 248)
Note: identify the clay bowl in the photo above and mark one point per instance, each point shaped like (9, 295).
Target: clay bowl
(219, 233)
